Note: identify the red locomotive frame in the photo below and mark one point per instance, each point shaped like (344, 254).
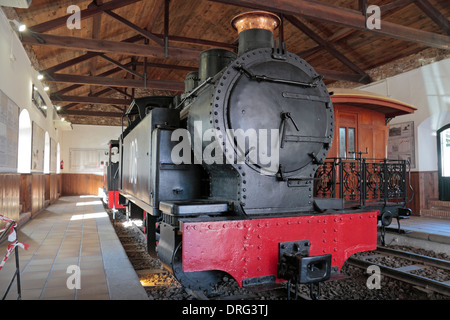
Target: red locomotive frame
(248, 249)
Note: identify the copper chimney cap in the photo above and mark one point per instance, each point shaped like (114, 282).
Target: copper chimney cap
(255, 20)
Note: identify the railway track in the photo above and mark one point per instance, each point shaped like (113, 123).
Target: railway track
(415, 269)
(161, 285)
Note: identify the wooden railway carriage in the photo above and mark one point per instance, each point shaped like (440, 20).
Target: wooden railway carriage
(356, 170)
(362, 123)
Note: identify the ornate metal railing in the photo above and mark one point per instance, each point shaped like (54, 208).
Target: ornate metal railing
(362, 181)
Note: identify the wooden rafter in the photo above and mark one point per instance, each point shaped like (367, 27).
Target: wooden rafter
(136, 28)
(434, 14)
(339, 75)
(84, 14)
(82, 58)
(91, 100)
(75, 104)
(328, 13)
(326, 45)
(169, 85)
(94, 113)
(50, 77)
(121, 66)
(386, 10)
(104, 46)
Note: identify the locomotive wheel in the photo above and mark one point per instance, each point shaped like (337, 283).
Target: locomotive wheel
(198, 280)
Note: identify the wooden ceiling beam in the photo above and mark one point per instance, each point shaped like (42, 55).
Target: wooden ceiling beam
(167, 66)
(76, 86)
(434, 14)
(105, 46)
(94, 113)
(325, 44)
(91, 100)
(169, 85)
(121, 92)
(386, 10)
(215, 44)
(328, 13)
(394, 5)
(121, 66)
(82, 58)
(96, 23)
(70, 62)
(74, 104)
(84, 14)
(136, 28)
(344, 76)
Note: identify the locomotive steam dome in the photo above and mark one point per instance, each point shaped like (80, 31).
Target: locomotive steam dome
(281, 104)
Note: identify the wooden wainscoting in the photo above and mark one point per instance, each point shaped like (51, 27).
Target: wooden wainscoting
(52, 187)
(37, 193)
(10, 195)
(22, 196)
(425, 185)
(81, 184)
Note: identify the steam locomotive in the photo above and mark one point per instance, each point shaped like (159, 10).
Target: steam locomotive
(223, 174)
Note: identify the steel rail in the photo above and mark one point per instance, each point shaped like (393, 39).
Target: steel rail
(413, 279)
(430, 261)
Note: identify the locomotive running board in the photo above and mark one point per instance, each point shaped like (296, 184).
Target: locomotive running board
(248, 249)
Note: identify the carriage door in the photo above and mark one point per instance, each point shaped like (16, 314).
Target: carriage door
(347, 126)
(443, 149)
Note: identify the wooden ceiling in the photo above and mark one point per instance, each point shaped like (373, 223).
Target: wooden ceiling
(119, 52)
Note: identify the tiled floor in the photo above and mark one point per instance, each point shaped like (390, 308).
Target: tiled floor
(439, 226)
(74, 231)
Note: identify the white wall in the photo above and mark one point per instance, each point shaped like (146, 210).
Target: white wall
(86, 137)
(17, 77)
(428, 89)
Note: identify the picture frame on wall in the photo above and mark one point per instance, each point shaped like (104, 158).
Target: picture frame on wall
(38, 101)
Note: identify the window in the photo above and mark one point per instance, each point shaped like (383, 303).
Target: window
(24, 149)
(347, 143)
(46, 153)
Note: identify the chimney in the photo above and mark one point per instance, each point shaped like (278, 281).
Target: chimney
(255, 29)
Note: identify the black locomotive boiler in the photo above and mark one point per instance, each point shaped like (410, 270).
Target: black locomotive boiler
(224, 174)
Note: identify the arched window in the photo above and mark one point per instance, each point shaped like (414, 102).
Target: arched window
(24, 148)
(47, 153)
